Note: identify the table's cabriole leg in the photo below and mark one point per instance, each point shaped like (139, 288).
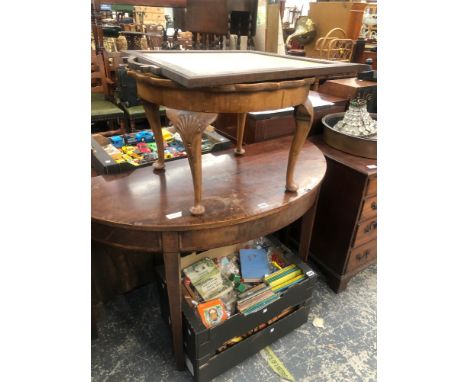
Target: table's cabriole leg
(154, 119)
(241, 117)
(190, 125)
(303, 125)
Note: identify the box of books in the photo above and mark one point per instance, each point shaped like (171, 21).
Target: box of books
(233, 293)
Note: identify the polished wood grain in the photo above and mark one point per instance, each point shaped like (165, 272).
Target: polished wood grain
(154, 119)
(147, 211)
(241, 118)
(190, 126)
(346, 217)
(372, 186)
(365, 231)
(236, 190)
(303, 124)
(369, 208)
(362, 256)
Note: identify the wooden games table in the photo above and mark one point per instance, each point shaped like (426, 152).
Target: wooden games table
(196, 85)
(146, 212)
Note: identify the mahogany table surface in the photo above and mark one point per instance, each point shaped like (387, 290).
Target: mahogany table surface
(235, 189)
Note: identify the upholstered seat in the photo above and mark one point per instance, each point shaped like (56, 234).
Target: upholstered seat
(102, 110)
(135, 113)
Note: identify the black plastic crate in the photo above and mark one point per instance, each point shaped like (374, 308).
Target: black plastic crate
(201, 343)
(209, 367)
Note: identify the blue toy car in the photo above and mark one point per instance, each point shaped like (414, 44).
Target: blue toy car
(117, 141)
(144, 136)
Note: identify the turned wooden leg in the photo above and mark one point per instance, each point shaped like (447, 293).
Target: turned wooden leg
(132, 125)
(241, 117)
(152, 114)
(190, 125)
(174, 294)
(303, 125)
(121, 126)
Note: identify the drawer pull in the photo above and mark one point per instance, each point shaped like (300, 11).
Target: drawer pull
(363, 256)
(374, 206)
(370, 227)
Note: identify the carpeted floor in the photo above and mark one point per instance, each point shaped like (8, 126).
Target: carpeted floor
(134, 343)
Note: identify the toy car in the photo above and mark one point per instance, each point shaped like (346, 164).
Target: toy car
(167, 135)
(130, 140)
(117, 141)
(143, 147)
(144, 136)
(127, 149)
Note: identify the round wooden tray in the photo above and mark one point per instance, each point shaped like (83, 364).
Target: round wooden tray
(358, 146)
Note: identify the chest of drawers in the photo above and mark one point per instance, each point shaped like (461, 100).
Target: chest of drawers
(344, 238)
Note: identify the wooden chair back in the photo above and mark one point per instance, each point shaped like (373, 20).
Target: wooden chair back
(112, 60)
(98, 75)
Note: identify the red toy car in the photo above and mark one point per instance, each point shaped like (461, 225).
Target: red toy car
(143, 147)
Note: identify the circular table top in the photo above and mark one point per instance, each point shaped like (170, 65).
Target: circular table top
(235, 189)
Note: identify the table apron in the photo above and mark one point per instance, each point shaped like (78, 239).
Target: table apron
(203, 239)
(219, 102)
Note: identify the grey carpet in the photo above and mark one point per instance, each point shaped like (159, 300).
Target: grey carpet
(134, 344)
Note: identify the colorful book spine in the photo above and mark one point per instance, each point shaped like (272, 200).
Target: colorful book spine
(287, 284)
(261, 305)
(285, 278)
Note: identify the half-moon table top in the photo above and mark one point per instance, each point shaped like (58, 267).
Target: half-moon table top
(235, 189)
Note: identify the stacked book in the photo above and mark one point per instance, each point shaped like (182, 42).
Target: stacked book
(284, 278)
(208, 280)
(256, 298)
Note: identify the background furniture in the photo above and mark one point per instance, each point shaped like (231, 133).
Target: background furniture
(330, 15)
(259, 126)
(103, 110)
(349, 88)
(344, 239)
(278, 123)
(335, 46)
(248, 203)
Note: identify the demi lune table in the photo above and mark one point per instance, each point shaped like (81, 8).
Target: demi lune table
(244, 199)
(195, 86)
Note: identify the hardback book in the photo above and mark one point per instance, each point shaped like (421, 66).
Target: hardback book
(254, 264)
(208, 280)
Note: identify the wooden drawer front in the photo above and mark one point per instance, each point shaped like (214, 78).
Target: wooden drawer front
(369, 208)
(362, 255)
(372, 186)
(365, 231)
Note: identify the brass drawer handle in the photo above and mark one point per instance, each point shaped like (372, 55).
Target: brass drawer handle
(359, 257)
(374, 206)
(370, 227)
